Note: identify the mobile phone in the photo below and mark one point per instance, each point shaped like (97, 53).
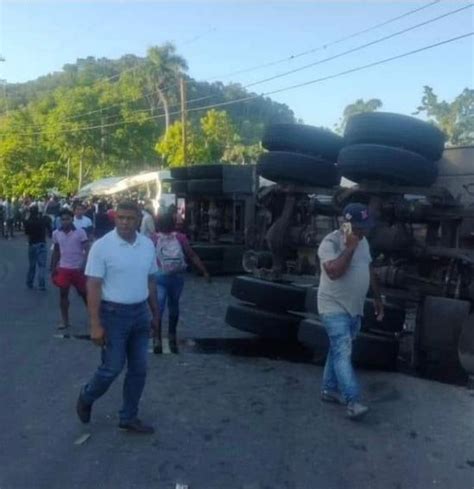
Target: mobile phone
(346, 228)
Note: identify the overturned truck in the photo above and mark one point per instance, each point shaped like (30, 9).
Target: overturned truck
(422, 196)
(216, 203)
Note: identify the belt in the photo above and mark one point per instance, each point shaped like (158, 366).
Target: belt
(137, 305)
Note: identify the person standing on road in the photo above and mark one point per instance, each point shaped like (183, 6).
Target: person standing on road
(102, 223)
(120, 273)
(52, 208)
(172, 249)
(9, 217)
(71, 246)
(36, 227)
(81, 221)
(147, 226)
(346, 275)
(2, 218)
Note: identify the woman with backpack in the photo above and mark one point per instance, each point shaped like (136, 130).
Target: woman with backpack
(172, 249)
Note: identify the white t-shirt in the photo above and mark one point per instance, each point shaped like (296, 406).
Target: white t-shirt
(123, 267)
(347, 293)
(83, 223)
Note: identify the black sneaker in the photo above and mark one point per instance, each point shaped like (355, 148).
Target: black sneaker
(83, 410)
(136, 426)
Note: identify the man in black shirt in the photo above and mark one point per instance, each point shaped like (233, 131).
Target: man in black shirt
(36, 228)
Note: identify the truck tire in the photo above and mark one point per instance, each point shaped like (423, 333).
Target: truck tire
(179, 186)
(209, 252)
(393, 320)
(179, 173)
(396, 130)
(437, 336)
(390, 165)
(280, 166)
(300, 138)
(205, 187)
(263, 323)
(466, 345)
(271, 296)
(311, 300)
(199, 172)
(368, 350)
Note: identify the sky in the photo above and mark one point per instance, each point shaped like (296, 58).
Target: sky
(218, 38)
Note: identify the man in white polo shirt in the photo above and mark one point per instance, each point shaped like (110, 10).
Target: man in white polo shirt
(120, 281)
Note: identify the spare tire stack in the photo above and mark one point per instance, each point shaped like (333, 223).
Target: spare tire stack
(300, 154)
(198, 179)
(391, 148)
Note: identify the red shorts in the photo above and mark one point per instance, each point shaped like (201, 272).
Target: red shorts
(67, 277)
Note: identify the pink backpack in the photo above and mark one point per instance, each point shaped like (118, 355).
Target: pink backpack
(169, 253)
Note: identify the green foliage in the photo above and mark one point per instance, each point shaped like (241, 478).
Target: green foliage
(358, 107)
(455, 119)
(101, 117)
(213, 140)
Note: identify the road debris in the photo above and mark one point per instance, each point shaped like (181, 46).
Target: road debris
(82, 439)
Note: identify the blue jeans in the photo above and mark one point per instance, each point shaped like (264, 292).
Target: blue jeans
(127, 331)
(37, 254)
(169, 288)
(338, 373)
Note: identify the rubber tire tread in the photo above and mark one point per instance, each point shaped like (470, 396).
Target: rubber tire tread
(390, 165)
(294, 167)
(396, 130)
(205, 186)
(368, 350)
(199, 172)
(271, 296)
(179, 186)
(179, 173)
(263, 323)
(300, 138)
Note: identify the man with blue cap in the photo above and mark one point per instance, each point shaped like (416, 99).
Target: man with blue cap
(346, 275)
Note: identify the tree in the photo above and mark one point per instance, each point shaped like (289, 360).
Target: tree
(163, 68)
(213, 140)
(358, 107)
(455, 119)
(218, 134)
(170, 146)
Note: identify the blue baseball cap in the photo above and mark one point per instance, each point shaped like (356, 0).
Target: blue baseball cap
(358, 215)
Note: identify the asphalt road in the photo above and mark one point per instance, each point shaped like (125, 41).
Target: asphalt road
(223, 421)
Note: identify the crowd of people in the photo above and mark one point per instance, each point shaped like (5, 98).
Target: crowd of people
(119, 258)
(125, 263)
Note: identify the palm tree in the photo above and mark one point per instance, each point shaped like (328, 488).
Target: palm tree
(163, 69)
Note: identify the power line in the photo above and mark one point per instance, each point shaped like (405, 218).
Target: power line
(295, 70)
(358, 48)
(252, 97)
(329, 44)
(266, 65)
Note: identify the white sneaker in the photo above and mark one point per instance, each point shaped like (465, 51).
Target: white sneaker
(356, 410)
(332, 396)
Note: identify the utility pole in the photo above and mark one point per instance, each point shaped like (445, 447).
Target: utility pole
(182, 88)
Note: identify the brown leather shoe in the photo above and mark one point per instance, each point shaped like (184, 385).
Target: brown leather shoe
(83, 410)
(136, 426)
